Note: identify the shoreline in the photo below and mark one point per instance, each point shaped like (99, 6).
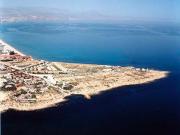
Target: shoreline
(8, 46)
(87, 88)
(87, 95)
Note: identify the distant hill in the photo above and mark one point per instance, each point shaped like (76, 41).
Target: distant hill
(50, 14)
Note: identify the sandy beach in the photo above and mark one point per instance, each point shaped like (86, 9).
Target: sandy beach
(9, 47)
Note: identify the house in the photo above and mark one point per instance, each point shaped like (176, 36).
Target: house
(9, 86)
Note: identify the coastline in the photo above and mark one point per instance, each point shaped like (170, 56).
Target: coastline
(86, 93)
(8, 46)
(54, 98)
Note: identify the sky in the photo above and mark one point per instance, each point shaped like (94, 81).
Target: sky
(140, 9)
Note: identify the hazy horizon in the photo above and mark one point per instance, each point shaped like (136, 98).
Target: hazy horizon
(154, 10)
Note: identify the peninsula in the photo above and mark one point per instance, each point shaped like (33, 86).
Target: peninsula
(29, 84)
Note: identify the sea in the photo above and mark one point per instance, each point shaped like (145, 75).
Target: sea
(147, 109)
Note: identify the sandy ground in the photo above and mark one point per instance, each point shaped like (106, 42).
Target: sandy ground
(52, 98)
(10, 47)
(89, 83)
(2, 96)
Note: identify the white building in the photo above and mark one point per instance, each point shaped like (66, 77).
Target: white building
(2, 47)
(50, 80)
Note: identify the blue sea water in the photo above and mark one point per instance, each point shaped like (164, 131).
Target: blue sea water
(148, 109)
(142, 45)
